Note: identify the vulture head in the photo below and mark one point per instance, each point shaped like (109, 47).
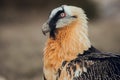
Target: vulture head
(62, 17)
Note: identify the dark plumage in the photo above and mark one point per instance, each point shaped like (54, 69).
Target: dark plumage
(104, 66)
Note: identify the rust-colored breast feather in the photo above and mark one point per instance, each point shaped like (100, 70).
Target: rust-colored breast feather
(64, 47)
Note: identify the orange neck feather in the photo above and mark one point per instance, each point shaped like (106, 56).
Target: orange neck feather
(70, 41)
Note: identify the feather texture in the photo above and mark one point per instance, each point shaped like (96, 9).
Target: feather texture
(93, 65)
(69, 42)
(70, 56)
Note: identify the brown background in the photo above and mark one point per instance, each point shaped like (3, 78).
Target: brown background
(22, 42)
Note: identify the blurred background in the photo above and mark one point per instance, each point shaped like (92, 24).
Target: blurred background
(22, 42)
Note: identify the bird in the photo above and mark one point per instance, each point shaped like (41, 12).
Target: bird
(68, 52)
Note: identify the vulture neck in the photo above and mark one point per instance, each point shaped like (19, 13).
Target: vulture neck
(73, 39)
(70, 41)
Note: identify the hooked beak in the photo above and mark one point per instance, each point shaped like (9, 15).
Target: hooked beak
(45, 28)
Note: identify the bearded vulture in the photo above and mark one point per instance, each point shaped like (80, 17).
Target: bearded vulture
(69, 55)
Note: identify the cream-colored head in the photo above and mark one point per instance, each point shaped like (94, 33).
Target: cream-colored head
(63, 16)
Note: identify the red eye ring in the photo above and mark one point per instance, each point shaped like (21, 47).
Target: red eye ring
(62, 15)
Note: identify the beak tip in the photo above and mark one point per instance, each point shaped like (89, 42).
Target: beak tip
(45, 28)
(44, 33)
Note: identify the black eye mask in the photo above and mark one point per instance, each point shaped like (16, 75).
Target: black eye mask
(52, 23)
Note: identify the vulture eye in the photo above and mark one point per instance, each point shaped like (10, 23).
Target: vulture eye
(62, 15)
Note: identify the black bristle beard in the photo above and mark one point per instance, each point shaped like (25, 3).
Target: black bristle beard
(53, 33)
